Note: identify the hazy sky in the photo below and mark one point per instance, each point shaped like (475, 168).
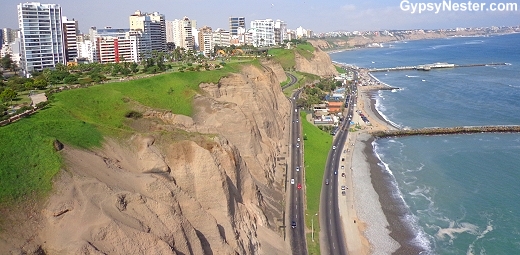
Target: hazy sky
(316, 15)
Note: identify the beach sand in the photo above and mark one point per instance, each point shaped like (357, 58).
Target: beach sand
(378, 227)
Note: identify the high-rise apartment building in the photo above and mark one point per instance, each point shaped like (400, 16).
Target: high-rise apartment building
(183, 30)
(8, 35)
(152, 27)
(41, 32)
(263, 32)
(221, 38)
(280, 31)
(70, 32)
(205, 40)
(114, 45)
(235, 23)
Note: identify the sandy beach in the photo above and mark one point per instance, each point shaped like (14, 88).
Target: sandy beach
(372, 216)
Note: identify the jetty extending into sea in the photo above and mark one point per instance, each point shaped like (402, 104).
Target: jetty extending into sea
(447, 131)
(428, 67)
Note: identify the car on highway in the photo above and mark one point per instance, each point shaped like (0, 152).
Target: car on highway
(293, 224)
(292, 181)
(297, 145)
(297, 169)
(298, 139)
(335, 172)
(334, 147)
(299, 186)
(327, 182)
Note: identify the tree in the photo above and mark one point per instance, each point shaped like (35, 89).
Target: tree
(8, 95)
(7, 62)
(40, 82)
(134, 67)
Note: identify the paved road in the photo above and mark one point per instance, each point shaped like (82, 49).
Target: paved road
(330, 220)
(292, 82)
(296, 218)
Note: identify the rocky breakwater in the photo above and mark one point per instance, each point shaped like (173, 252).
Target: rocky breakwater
(210, 184)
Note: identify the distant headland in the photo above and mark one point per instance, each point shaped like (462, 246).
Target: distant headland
(342, 40)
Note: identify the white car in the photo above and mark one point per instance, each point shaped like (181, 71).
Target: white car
(297, 169)
(298, 139)
(334, 147)
(292, 181)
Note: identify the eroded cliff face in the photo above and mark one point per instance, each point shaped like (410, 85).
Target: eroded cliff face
(320, 64)
(211, 184)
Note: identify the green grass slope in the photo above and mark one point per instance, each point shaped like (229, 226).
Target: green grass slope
(80, 118)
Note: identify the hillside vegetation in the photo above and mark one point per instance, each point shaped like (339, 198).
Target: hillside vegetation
(81, 117)
(286, 57)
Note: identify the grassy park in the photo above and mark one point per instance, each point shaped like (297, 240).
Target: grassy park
(316, 145)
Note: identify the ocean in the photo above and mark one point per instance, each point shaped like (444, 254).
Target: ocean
(462, 192)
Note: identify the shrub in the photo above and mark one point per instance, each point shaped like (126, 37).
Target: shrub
(134, 115)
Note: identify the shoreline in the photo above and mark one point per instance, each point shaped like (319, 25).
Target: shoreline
(393, 207)
(381, 213)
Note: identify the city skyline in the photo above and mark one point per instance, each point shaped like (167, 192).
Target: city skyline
(333, 15)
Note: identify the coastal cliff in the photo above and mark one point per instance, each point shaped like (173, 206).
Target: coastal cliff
(207, 184)
(319, 64)
(374, 40)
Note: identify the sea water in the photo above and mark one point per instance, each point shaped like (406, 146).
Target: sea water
(462, 191)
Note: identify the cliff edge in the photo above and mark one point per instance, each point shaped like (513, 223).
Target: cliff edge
(211, 184)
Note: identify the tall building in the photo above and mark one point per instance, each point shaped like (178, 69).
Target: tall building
(280, 31)
(263, 32)
(235, 23)
(8, 35)
(152, 27)
(205, 40)
(221, 38)
(183, 31)
(70, 32)
(114, 45)
(41, 32)
(170, 30)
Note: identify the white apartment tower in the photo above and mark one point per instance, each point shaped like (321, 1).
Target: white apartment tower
(41, 36)
(70, 32)
(183, 33)
(153, 30)
(263, 32)
(280, 31)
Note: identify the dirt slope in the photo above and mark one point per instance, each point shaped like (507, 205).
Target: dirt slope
(211, 184)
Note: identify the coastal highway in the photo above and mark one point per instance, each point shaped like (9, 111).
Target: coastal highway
(330, 221)
(296, 219)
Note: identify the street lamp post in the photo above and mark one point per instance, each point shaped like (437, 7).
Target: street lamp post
(312, 224)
